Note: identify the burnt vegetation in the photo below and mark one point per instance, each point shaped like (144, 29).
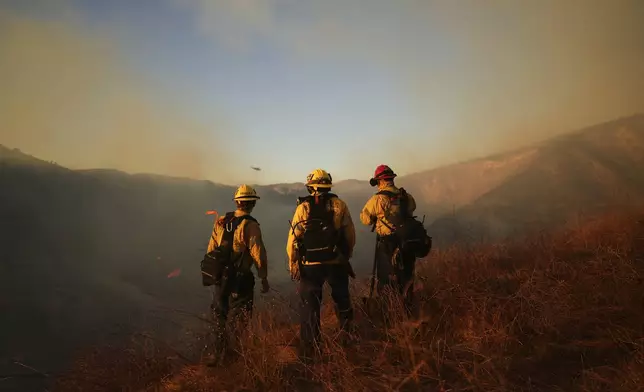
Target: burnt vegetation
(558, 311)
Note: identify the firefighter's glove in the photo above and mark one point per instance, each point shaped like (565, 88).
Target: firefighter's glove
(295, 272)
(265, 286)
(351, 273)
(348, 267)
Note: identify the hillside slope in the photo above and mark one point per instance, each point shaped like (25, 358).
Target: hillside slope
(532, 187)
(561, 311)
(600, 168)
(86, 254)
(538, 186)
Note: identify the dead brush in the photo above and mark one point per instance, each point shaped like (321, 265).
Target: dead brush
(557, 312)
(143, 362)
(259, 347)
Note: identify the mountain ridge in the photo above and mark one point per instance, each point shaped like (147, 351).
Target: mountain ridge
(488, 161)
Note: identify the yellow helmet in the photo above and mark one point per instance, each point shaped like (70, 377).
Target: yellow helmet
(319, 178)
(245, 193)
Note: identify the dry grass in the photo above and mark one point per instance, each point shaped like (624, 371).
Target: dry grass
(561, 311)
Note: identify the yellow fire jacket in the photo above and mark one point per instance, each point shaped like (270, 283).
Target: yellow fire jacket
(341, 220)
(379, 208)
(247, 239)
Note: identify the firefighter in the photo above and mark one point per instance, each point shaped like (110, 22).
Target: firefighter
(395, 268)
(320, 244)
(235, 246)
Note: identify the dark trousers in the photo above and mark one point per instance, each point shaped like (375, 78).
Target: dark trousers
(233, 302)
(312, 278)
(395, 270)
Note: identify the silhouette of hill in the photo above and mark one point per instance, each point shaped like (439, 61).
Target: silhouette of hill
(15, 156)
(532, 187)
(536, 186)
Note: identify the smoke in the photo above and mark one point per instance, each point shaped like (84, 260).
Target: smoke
(473, 78)
(477, 77)
(68, 94)
(535, 70)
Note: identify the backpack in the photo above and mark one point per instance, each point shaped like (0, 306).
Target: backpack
(411, 234)
(320, 239)
(218, 266)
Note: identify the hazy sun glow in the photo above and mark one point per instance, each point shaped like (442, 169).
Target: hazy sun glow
(206, 88)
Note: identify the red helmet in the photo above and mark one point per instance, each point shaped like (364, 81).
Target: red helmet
(383, 172)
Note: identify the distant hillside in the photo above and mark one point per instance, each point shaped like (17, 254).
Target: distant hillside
(86, 254)
(14, 155)
(530, 187)
(536, 186)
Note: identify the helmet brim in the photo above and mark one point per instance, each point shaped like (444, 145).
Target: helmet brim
(374, 181)
(247, 198)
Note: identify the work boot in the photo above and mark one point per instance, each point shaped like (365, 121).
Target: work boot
(215, 352)
(308, 354)
(213, 356)
(347, 335)
(346, 339)
(213, 360)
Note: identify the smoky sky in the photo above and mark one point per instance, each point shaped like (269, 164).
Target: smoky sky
(474, 78)
(68, 95)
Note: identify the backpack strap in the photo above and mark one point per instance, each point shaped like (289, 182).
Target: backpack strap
(404, 200)
(402, 196)
(320, 213)
(389, 194)
(314, 199)
(230, 223)
(404, 203)
(317, 207)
